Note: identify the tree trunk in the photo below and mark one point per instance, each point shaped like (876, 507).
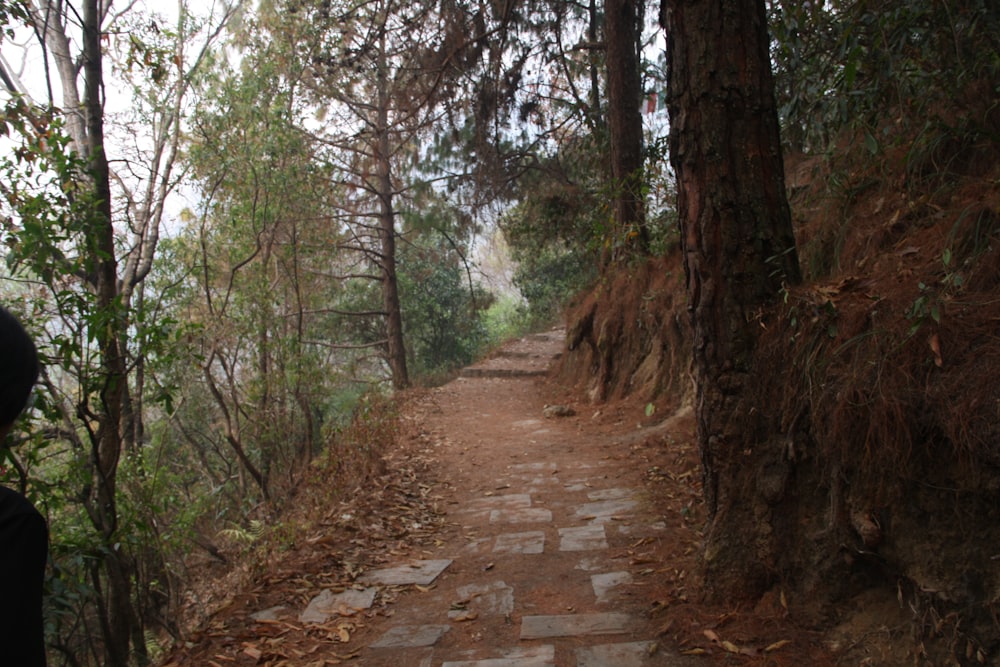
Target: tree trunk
(264, 428)
(625, 126)
(110, 323)
(396, 351)
(51, 23)
(390, 294)
(593, 26)
(739, 250)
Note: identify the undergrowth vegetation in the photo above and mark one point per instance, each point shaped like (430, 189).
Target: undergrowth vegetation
(351, 465)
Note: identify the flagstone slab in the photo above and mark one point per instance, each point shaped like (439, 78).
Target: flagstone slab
(504, 502)
(583, 538)
(605, 510)
(573, 625)
(270, 614)
(476, 545)
(592, 564)
(493, 599)
(494, 373)
(531, 542)
(605, 584)
(328, 604)
(411, 636)
(532, 467)
(576, 486)
(521, 515)
(654, 527)
(632, 654)
(613, 494)
(536, 656)
(420, 572)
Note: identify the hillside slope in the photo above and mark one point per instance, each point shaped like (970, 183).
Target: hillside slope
(880, 377)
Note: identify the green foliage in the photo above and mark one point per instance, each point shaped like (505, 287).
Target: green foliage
(441, 310)
(245, 535)
(506, 318)
(661, 198)
(884, 69)
(47, 204)
(149, 51)
(560, 228)
(561, 232)
(928, 305)
(548, 277)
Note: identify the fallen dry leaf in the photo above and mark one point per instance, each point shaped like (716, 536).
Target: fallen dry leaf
(777, 645)
(730, 647)
(935, 344)
(253, 652)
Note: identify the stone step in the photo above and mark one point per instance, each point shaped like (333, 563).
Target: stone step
(483, 372)
(574, 625)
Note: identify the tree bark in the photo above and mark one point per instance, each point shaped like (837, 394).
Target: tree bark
(739, 251)
(621, 30)
(396, 350)
(108, 440)
(593, 25)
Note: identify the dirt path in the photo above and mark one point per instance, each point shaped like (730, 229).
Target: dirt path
(534, 531)
(549, 552)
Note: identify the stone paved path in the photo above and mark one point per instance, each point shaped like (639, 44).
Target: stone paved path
(544, 564)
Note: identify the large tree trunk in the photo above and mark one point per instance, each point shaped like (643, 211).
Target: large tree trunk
(739, 250)
(621, 30)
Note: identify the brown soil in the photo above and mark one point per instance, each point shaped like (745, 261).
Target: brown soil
(454, 446)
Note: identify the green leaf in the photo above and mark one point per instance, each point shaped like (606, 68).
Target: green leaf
(871, 143)
(850, 70)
